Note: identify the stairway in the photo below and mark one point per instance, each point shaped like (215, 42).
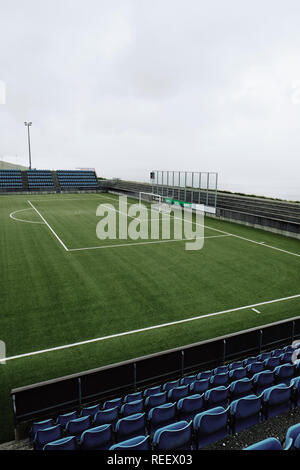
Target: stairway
(55, 181)
(25, 180)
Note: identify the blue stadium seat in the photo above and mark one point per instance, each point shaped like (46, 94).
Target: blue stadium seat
(133, 397)
(152, 391)
(90, 410)
(112, 403)
(199, 386)
(210, 426)
(262, 380)
(109, 416)
(130, 426)
(216, 397)
(189, 406)
(132, 407)
(219, 379)
(178, 392)
(204, 375)
(235, 365)
(271, 363)
(75, 427)
(292, 436)
(261, 357)
(286, 358)
(136, 443)
(284, 373)
(176, 436)
(44, 436)
(220, 370)
(254, 368)
(161, 416)
(295, 384)
(66, 443)
(169, 385)
(98, 438)
(276, 400)
(271, 443)
(188, 380)
(277, 352)
(245, 412)
(237, 373)
(155, 400)
(249, 360)
(66, 417)
(240, 388)
(47, 423)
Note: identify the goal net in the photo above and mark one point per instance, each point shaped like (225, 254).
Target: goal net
(157, 201)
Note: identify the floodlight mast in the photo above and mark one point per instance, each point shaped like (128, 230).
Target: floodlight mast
(28, 124)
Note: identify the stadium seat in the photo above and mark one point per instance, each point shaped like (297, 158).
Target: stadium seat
(254, 368)
(271, 362)
(277, 352)
(240, 388)
(169, 385)
(219, 379)
(216, 397)
(132, 407)
(188, 380)
(261, 357)
(237, 373)
(155, 400)
(109, 416)
(76, 426)
(161, 416)
(136, 443)
(245, 412)
(204, 375)
(284, 373)
(90, 410)
(235, 365)
(271, 443)
(98, 438)
(44, 436)
(292, 436)
(276, 400)
(47, 423)
(66, 417)
(249, 360)
(176, 436)
(130, 426)
(262, 380)
(220, 370)
(295, 383)
(112, 403)
(178, 392)
(133, 397)
(189, 406)
(210, 426)
(66, 443)
(152, 391)
(199, 386)
(286, 358)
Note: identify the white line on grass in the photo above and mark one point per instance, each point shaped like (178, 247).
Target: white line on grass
(255, 310)
(11, 215)
(145, 243)
(60, 241)
(117, 335)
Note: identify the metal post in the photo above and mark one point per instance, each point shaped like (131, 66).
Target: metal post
(199, 194)
(28, 124)
(134, 376)
(224, 351)
(185, 187)
(207, 188)
(182, 363)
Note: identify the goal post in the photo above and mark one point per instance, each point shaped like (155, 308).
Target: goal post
(150, 197)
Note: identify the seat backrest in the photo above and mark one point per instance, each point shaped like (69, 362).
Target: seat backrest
(265, 377)
(65, 418)
(199, 386)
(109, 416)
(236, 365)
(78, 425)
(178, 392)
(112, 403)
(219, 379)
(284, 371)
(246, 406)
(152, 391)
(90, 410)
(291, 435)
(216, 395)
(47, 423)
(133, 397)
(100, 438)
(205, 374)
(210, 421)
(135, 443)
(162, 413)
(169, 385)
(254, 368)
(190, 404)
(133, 425)
(237, 373)
(66, 443)
(155, 400)
(240, 387)
(188, 380)
(132, 407)
(271, 443)
(220, 370)
(43, 436)
(277, 395)
(174, 436)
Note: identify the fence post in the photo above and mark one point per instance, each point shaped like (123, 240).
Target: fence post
(182, 363)
(134, 376)
(260, 340)
(79, 391)
(224, 351)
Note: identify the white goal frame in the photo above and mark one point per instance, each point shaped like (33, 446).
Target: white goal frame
(150, 197)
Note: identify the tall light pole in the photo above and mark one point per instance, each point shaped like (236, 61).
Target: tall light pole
(28, 124)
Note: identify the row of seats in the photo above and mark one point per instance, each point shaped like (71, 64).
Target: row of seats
(193, 431)
(11, 179)
(40, 178)
(77, 178)
(291, 442)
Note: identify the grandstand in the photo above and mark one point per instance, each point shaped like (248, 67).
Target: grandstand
(138, 344)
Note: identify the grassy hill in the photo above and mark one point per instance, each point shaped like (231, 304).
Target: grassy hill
(11, 166)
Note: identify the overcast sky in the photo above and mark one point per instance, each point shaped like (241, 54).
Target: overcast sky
(127, 86)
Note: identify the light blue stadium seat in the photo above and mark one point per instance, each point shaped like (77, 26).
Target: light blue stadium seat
(98, 438)
(161, 416)
(130, 426)
(176, 436)
(66, 443)
(271, 443)
(44, 436)
(189, 406)
(136, 443)
(245, 412)
(210, 426)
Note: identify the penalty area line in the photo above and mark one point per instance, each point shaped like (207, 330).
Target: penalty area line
(141, 330)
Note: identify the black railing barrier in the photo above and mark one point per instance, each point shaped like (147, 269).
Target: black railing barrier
(48, 399)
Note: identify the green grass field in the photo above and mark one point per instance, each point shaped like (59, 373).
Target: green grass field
(61, 285)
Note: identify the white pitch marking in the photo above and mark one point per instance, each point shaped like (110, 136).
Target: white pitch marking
(11, 215)
(117, 335)
(255, 310)
(55, 234)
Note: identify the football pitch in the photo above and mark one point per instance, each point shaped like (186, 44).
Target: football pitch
(72, 302)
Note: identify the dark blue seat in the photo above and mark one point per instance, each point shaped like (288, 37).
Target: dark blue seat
(262, 380)
(210, 426)
(66, 417)
(136, 443)
(240, 388)
(291, 437)
(90, 410)
(235, 365)
(254, 368)
(47, 423)
(43, 436)
(205, 374)
(219, 379)
(176, 436)
(271, 443)
(132, 407)
(284, 373)
(98, 438)
(152, 391)
(199, 386)
(249, 360)
(286, 358)
(189, 406)
(272, 362)
(133, 397)
(130, 426)
(277, 352)
(245, 412)
(155, 400)
(112, 403)
(66, 443)
(220, 370)
(295, 383)
(169, 385)
(216, 397)
(188, 380)
(276, 400)
(75, 427)
(237, 373)
(109, 416)
(161, 416)
(178, 392)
